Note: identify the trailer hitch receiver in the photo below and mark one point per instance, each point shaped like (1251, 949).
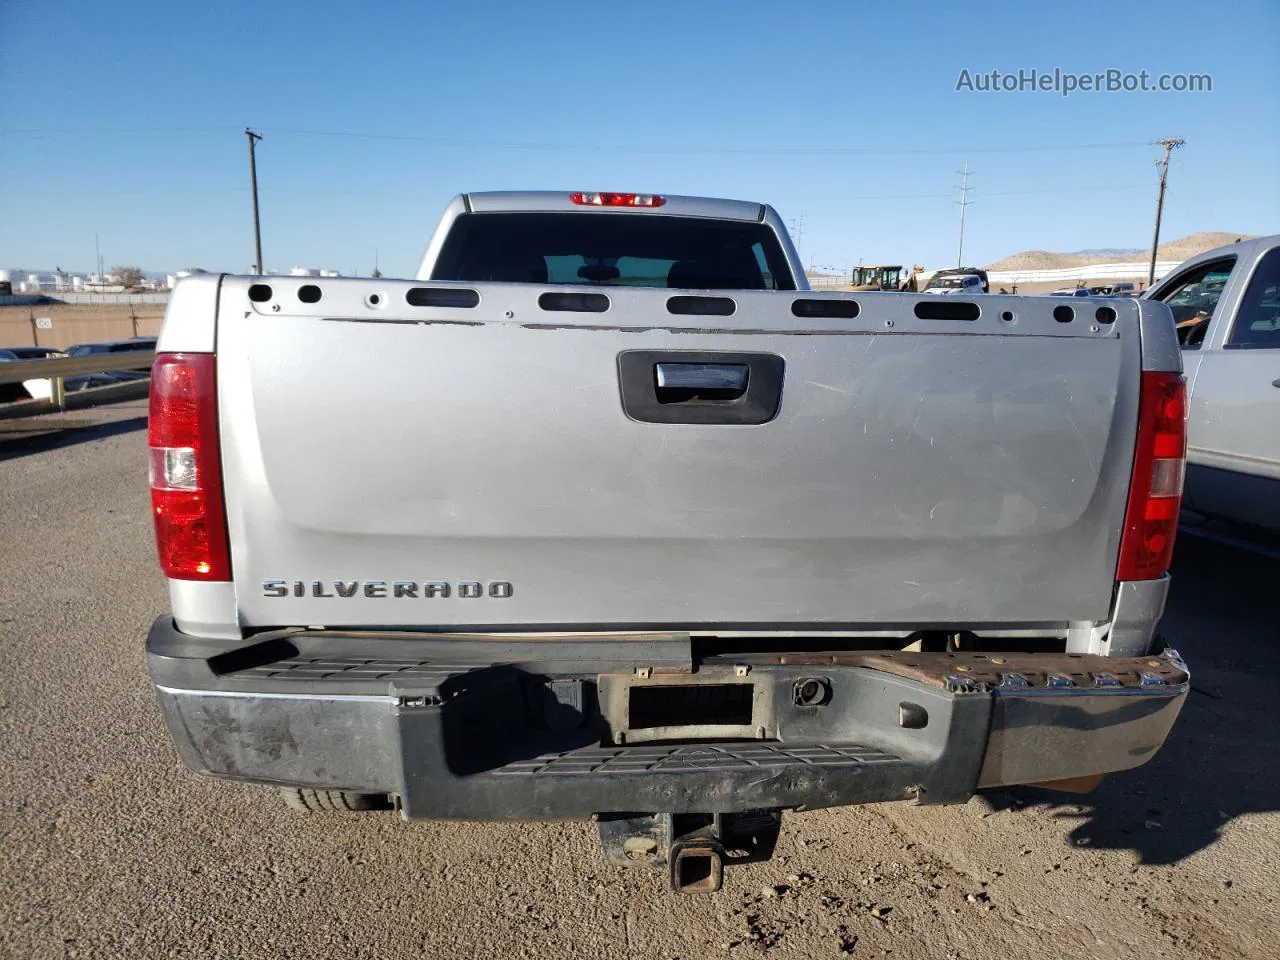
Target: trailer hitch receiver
(697, 866)
(691, 848)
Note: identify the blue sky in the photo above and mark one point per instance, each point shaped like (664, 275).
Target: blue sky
(127, 119)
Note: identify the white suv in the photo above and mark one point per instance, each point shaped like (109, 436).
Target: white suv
(953, 284)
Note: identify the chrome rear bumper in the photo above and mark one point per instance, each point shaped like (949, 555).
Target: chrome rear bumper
(1059, 733)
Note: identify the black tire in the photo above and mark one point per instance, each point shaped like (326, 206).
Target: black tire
(333, 801)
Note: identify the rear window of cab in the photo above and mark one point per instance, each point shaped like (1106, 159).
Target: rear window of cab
(639, 250)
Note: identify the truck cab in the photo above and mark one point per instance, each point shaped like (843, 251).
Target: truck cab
(612, 239)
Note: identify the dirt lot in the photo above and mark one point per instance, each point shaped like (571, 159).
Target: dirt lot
(110, 849)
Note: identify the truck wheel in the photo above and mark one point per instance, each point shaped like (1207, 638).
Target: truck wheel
(331, 801)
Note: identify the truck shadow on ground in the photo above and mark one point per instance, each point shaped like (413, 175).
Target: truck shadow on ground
(23, 438)
(1222, 616)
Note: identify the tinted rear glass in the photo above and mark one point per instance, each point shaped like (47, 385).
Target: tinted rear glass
(613, 250)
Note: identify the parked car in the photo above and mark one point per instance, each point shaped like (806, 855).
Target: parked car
(112, 346)
(636, 526)
(1226, 310)
(954, 284)
(1123, 289)
(35, 353)
(962, 272)
(131, 345)
(26, 389)
(1071, 292)
(1100, 291)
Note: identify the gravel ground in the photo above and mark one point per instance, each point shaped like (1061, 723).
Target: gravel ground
(110, 849)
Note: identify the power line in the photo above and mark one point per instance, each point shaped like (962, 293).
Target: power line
(648, 148)
(1186, 211)
(982, 194)
(109, 131)
(1057, 190)
(303, 189)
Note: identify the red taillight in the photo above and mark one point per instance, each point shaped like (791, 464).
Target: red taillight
(186, 469)
(1155, 492)
(617, 199)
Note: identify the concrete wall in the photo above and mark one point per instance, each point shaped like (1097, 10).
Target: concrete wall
(77, 323)
(1096, 273)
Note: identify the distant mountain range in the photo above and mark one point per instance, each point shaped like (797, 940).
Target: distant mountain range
(1179, 249)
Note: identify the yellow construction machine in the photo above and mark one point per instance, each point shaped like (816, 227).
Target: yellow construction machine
(883, 277)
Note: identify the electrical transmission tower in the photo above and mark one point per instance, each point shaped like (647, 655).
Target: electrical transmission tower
(964, 201)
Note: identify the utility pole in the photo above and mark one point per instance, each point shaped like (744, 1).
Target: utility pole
(1169, 143)
(964, 201)
(253, 177)
(97, 253)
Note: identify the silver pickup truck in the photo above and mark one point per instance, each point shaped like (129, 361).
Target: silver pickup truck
(1226, 307)
(607, 515)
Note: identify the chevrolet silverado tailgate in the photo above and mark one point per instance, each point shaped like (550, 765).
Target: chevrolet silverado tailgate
(508, 456)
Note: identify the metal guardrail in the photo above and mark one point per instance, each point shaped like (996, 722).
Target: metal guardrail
(830, 282)
(58, 370)
(157, 296)
(55, 297)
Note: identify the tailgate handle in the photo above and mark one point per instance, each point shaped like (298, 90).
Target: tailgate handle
(711, 388)
(702, 376)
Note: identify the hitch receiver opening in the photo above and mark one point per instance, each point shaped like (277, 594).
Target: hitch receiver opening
(697, 866)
